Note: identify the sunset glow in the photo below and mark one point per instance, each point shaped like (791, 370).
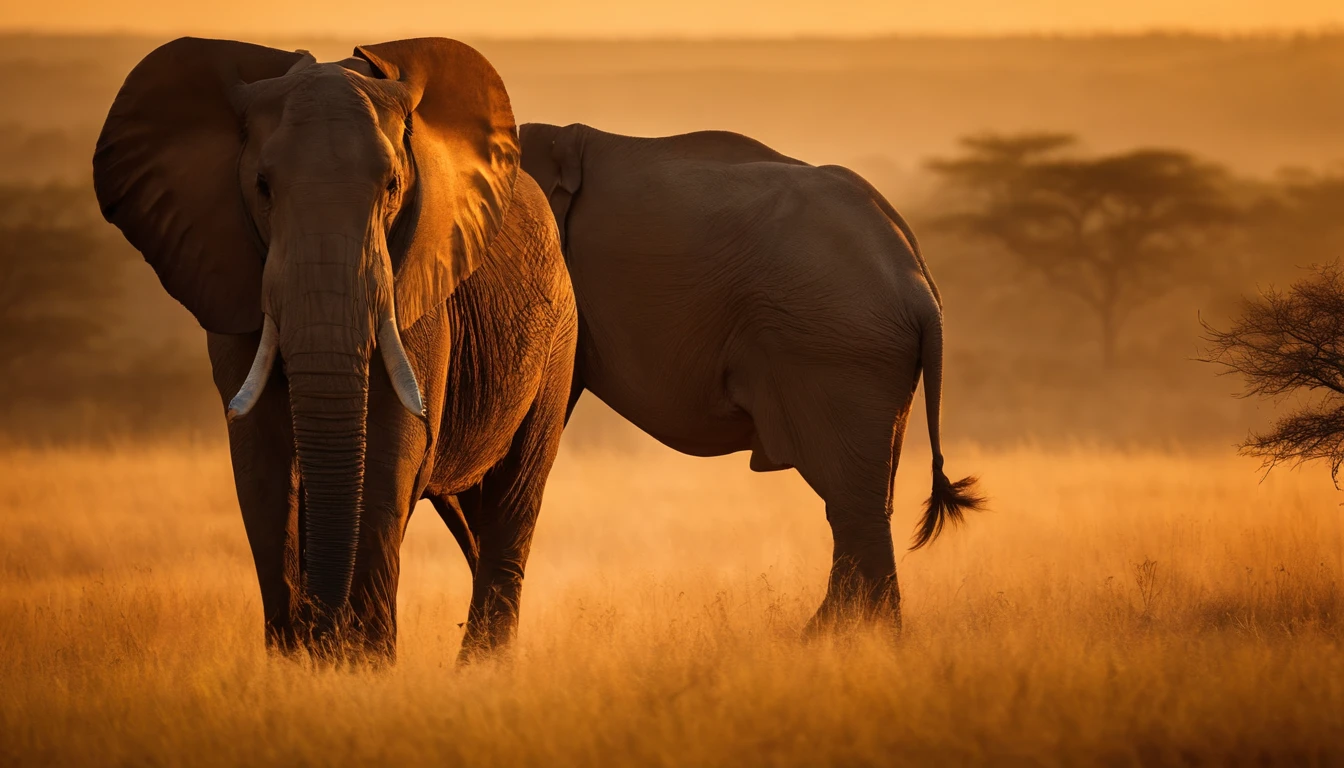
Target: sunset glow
(713, 383)
(691, 18)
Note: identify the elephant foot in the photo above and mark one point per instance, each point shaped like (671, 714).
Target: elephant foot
(830, 622)
(334, 640)
(492, 620)
(486, 644)
(480, 653)
(283, 639)
(347, 653)
(853, 603)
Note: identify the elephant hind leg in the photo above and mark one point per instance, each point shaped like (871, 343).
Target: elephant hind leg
(845, 436)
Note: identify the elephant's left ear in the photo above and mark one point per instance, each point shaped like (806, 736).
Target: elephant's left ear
(465, 145)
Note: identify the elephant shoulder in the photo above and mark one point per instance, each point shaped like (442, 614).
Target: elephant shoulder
(529, 228)
(525, 259)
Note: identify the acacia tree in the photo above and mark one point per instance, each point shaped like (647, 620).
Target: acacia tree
(1292, 342)
(1116, 232)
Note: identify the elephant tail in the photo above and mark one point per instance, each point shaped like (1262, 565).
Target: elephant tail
(949, 501)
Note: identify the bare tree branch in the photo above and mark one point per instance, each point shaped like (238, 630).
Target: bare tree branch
(1289, 342)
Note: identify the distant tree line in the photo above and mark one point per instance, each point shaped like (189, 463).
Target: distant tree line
(45, 156)
(58, 277)
(66, 369)
(1116, 232)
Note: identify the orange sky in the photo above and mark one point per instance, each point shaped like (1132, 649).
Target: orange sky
(613, 18)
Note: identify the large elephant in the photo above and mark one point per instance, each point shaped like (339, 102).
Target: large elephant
(731, 298)
(315, 214)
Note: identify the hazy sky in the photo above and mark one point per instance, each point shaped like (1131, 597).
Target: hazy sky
(614, 18)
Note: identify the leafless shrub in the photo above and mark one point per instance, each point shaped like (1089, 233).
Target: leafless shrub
(1290, 342)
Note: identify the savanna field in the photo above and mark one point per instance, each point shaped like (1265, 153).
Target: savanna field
(1116, 608)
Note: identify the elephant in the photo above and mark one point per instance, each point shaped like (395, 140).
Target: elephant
(309, 214)
(732, 298)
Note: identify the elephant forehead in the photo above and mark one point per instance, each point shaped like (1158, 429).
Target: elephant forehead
(326, 91)
(331, 92)
(330, 115)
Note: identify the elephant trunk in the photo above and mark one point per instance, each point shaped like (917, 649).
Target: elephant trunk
(327, 298)
(328, 393)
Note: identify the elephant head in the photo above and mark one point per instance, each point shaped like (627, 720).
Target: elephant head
(329, 206)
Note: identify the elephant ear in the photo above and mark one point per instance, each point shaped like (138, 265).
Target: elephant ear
(465, 148)
(166, 174)
(567, 152)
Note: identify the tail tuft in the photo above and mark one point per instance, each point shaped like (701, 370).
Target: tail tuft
(948, 503)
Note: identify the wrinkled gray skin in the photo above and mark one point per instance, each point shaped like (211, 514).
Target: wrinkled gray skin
(329, 461)
(731, 298)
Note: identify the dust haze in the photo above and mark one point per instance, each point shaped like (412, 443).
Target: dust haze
(1136, 594)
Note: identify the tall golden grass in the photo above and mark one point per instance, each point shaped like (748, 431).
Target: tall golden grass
(1117, 608)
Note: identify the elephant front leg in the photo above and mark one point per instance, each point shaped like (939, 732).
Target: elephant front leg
(502, 511)
(266, 477)
(270, 515)
(373, 595)
(396, 459)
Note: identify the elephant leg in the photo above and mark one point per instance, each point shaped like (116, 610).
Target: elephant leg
(269, 499)
(855, 482)
(266, 477)
(862, 584)
(503, 510)
(373, 593)
(847, 452)
(395, 462)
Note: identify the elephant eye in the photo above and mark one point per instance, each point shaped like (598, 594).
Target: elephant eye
(392, 186)
(263, 187)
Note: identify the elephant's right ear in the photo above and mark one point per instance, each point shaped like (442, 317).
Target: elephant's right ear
(465, 147)
(166, 173)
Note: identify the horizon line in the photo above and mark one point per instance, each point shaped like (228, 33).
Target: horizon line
(1321, 31)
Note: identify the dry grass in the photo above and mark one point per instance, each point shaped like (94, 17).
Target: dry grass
(1113, 608)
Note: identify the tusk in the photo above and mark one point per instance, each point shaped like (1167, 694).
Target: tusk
(399, 367)
(250, 392)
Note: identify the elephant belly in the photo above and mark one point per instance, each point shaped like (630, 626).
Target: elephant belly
(693, 420)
